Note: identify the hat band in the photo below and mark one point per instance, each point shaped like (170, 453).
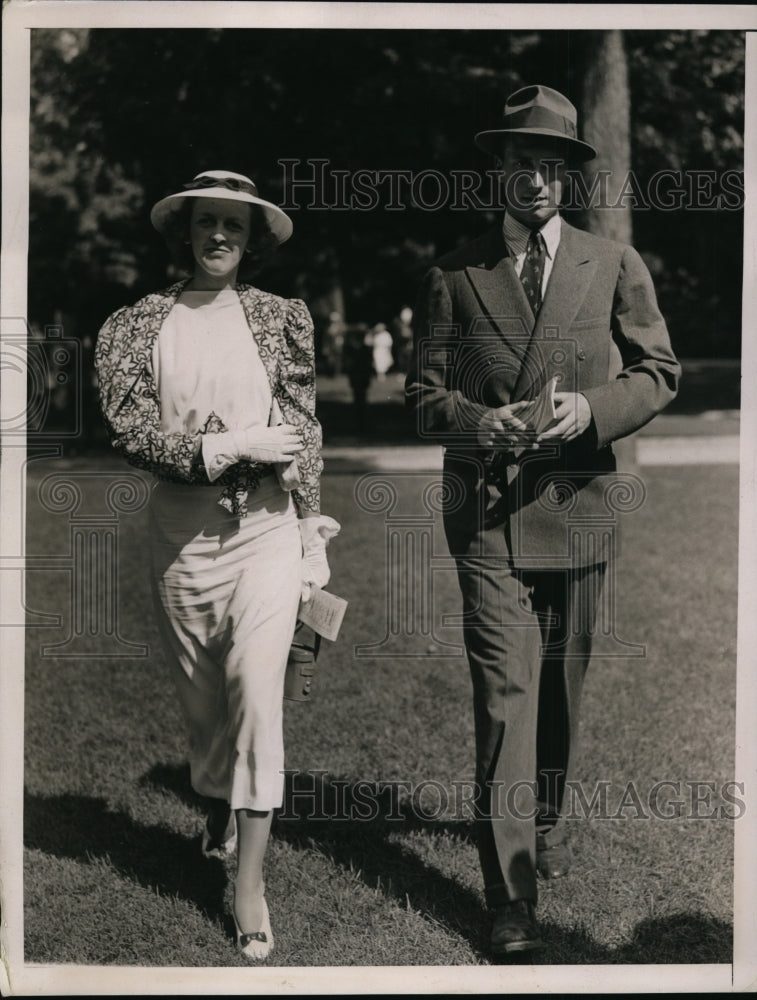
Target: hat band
(230, 183)
(541, 118)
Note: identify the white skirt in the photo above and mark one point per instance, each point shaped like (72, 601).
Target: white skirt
(227, 592)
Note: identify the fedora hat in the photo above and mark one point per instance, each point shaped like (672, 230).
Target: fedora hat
(538, 110)
(221, 184)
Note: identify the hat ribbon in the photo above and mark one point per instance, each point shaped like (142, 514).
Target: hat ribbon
(540, 118)
(231, 183)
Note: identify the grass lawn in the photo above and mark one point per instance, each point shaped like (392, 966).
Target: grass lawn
(113, 870)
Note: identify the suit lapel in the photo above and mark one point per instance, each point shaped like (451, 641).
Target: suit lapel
(572, 274)
(501, 295)
(569, 282)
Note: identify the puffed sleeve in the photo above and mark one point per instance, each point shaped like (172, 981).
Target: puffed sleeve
(131, 408)
(296, 397)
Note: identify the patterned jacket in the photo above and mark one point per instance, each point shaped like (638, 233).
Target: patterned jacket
(283, 332)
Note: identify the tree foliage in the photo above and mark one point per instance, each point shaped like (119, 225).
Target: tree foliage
(122, 117)
(688, 113)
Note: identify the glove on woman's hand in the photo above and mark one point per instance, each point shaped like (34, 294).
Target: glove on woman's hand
(256, 444)
(315, 533)
(272, 444)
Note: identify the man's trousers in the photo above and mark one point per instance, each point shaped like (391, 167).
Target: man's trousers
(528, 637)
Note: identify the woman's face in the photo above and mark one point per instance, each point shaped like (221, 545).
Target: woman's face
(218, 231)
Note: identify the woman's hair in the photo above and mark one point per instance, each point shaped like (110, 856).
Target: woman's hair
(260, 246)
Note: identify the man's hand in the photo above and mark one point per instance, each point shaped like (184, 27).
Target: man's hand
(501, 428)
(573, 417)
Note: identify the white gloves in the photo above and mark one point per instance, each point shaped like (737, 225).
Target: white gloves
(257, 444)
(315, 533)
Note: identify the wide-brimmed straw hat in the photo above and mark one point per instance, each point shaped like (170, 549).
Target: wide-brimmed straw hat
(222, 184)
(538, 111)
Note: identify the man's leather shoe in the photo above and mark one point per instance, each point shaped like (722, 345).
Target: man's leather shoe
(553, 862)
(514, 928)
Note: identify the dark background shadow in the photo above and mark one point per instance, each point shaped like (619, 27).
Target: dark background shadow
(706, 385)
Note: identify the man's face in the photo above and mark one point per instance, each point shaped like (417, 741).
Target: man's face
(533, 174)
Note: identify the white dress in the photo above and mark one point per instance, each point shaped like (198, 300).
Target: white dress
(227, 589)
(382, 352)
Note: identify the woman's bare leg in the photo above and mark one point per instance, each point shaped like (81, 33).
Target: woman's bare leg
(253, 829)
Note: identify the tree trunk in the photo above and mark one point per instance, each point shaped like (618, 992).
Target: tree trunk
(606, 120)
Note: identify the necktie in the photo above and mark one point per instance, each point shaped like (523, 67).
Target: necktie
(533, 269)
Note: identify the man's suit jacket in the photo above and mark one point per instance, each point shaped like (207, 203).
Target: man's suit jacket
(599, 331)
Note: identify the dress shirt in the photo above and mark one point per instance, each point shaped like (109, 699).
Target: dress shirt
(516, 237)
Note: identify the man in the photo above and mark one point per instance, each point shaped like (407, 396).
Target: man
(526, 513)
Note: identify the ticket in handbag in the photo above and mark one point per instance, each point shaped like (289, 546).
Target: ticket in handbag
(324, 613)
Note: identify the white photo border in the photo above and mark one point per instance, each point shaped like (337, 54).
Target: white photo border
(19, 978)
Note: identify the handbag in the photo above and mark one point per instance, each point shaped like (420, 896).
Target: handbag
(300, 668)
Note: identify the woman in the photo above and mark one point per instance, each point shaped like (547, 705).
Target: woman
(210, 384)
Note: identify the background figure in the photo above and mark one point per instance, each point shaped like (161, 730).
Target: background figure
(333, 343)
(383, 357)
(357, 364)
(402, 337)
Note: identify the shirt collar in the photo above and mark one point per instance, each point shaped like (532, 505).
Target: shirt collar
(516, 235)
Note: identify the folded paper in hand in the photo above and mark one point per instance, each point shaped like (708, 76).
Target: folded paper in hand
(323, 613)
(540, 412)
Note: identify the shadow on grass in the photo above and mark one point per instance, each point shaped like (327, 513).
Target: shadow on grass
(356, 831)
(354, 826)
(675, 939)
(82, 828)
(174, 778)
